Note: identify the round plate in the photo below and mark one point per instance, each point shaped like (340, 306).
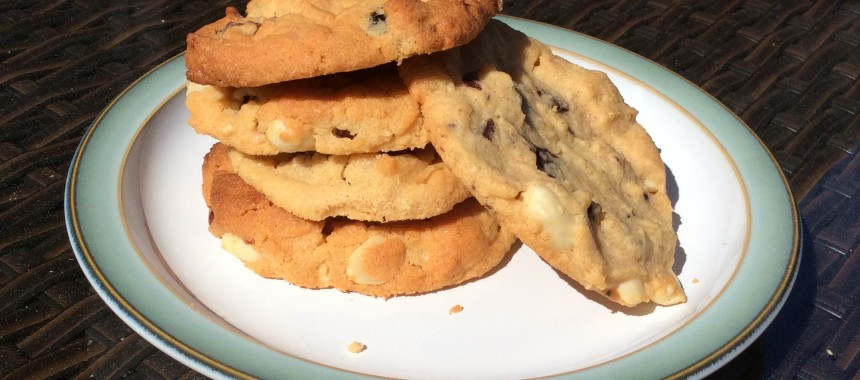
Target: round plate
(138, 225)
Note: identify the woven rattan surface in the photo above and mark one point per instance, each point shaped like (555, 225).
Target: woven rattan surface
(787, 68)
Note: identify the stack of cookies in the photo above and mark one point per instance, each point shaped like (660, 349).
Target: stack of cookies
(394, 147)
(323, 174)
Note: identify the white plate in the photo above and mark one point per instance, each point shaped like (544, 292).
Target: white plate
(138, 225)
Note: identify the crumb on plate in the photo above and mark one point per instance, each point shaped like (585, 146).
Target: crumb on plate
(455, 309)
(356, 347)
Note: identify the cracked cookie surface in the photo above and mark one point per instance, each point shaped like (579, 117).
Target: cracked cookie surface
(553, 149)
(278, 41)
(357, 112)
(378, 259)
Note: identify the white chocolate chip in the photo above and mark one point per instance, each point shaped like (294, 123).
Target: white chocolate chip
(373, 264)
(544, 205)
(670, 293)
(650, 185)
(631, 291)
(248, 28)
(287, 139)
(322, 272)
(386, 165)
(195, 87)
(237, 247)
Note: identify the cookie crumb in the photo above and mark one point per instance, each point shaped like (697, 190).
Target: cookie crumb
(455, 309)
(695, 281)
(356, 347)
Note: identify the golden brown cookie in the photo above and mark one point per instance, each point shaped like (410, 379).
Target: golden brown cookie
(379, 187)
(285, 40)
(553, 149)
(378, 259)
(358, 112)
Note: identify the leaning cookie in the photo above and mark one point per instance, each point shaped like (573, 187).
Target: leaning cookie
(378, 187)
(358, 112)
(378, 259)
(556, 153)
(285, 40)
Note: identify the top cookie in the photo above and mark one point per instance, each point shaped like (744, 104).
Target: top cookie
(285, 40)
(553, 149)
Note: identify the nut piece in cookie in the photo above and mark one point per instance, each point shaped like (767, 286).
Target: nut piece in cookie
(285, 40)
(553, 149)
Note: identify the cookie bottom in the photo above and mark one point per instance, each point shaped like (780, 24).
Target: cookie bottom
(377, 259)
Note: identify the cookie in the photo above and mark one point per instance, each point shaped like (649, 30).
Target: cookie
(285, 40)
(553, 149)
(379, 187)
(359, 112)
(378, 259)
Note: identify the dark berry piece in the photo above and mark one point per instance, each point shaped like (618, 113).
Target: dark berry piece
(234, 24)
(559, 106)
(231, 25)
(489, 129)
(342, 133)
(471, 80)
(555, 104)
(595, 212)
(545, 161)
(377, 17)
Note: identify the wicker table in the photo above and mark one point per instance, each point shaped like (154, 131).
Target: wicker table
(789, 69)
